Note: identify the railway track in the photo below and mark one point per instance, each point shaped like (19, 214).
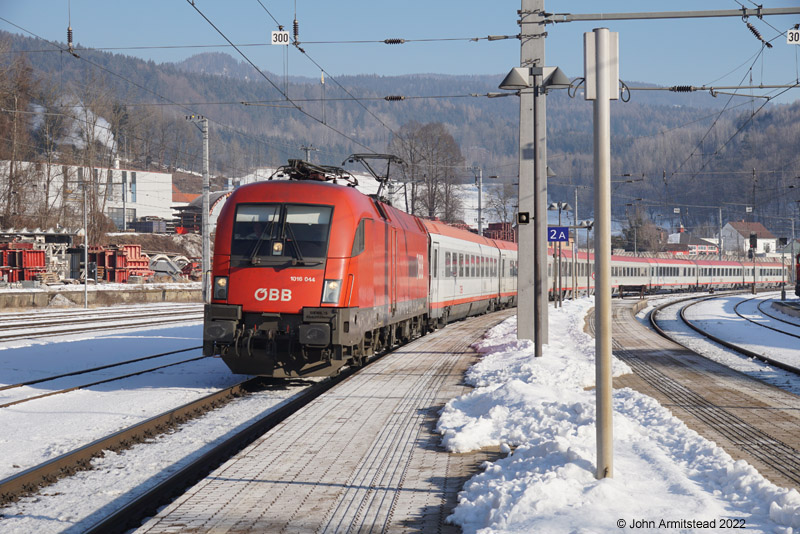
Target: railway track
(30, 325)
(95, 370)
(653, 317)
(48, 472)
(146, 504)
(750, 419)
(795, 322)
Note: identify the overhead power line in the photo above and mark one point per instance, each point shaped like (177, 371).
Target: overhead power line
(390, 41)
(260, 72)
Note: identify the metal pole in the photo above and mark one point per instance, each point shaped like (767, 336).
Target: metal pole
(588, 264)
(480, 194)
(124, 202)
(532, 243)
(783, 273)
(743, 12)
(575, 248)
(560, 285)
(792, 273)
(603, 43)
(206, 228)
(85, 251)
(719, 240)
(540, 201)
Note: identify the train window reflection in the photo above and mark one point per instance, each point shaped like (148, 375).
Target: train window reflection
(277, 232)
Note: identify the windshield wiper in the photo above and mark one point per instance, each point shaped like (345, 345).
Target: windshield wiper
(255, 259)
(300, 258)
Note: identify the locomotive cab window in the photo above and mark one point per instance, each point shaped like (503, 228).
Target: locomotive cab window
(274, 234)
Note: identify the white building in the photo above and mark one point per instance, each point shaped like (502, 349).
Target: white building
(135, 193)
(736, 238)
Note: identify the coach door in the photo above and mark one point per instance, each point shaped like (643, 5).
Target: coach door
(433, 291)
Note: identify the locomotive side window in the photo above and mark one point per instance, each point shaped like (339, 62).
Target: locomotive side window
(358, 240)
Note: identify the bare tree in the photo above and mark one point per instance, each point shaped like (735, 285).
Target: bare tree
(16, 84)
(434, 159)
(501, 201)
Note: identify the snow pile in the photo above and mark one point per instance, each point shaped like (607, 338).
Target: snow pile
(540, 411)
(60, 301)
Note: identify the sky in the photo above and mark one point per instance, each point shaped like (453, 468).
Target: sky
(666, 52)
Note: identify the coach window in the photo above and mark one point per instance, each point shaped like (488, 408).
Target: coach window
(446, 264)
(460, 264)
(472, 265)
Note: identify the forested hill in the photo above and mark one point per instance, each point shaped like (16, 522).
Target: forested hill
(657, 134)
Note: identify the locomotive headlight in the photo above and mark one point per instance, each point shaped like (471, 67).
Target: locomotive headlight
(331, 291)
(221, 288)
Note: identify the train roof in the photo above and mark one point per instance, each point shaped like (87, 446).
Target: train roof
(440, 228)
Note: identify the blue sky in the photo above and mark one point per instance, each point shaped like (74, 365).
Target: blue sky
(668, 52)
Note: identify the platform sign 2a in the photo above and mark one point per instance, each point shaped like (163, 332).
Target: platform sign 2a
(558, 234)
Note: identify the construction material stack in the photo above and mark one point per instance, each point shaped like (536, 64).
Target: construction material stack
(20, 261)
(118, 262)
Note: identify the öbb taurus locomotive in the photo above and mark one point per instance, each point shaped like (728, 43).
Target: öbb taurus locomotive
(309, 276)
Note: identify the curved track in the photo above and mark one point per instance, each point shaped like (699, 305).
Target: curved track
(653, 316)
(750, 419)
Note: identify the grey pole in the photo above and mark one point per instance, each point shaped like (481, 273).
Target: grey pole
(530, 316)
(719, 240)
(575, 248)
(793, 278)
(600, 49)
(206, 228)
(540, 208)
(85, 251)
(479, 183)
(588, 263)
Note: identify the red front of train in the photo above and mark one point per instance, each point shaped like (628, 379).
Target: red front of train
(309, 276)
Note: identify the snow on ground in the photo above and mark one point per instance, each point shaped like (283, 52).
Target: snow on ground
(538, 410)
(670, 320)
(667, 478)
(42, 429)
(718, 317)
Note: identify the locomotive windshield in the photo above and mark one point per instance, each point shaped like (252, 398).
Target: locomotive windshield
(277, 234)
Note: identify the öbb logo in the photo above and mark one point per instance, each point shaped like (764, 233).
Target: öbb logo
(273, 295)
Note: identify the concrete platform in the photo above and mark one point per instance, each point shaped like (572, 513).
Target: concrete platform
(789, 307)
(364, 457)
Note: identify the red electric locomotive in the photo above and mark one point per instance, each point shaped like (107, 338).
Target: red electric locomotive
(309, 276)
